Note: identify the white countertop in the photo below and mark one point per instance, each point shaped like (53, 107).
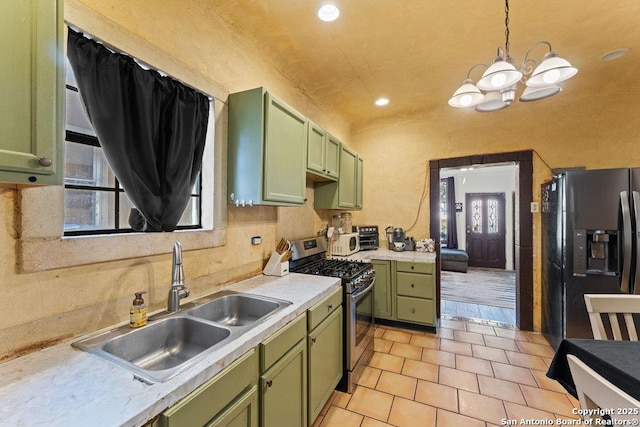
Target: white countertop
(64, 386)
(389, 255)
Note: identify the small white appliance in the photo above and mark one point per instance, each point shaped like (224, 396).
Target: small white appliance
(345, 244)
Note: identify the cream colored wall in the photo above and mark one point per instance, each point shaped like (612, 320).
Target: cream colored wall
(179, 38)
(565, 131)
(40, 308)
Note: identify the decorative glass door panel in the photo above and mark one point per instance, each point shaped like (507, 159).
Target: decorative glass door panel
(486, 229)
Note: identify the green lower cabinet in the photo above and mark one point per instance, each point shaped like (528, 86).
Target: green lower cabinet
(243, 413)
(405, 292)
(221, 401)
(283, 376)
(383, 293)
(325, 361)
(283, 388)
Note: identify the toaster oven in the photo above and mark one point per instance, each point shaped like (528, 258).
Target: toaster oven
(345, 244)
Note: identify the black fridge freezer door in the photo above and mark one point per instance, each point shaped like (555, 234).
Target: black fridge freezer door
(598, 249)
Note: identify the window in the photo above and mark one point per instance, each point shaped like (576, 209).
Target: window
(95, 203)
(443, 212)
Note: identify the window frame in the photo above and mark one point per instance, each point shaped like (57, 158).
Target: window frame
(41, 244)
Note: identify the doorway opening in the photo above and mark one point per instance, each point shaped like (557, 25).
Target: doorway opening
(478, 207)
(521, 243)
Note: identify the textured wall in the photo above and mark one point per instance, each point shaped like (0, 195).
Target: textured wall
(41, 308)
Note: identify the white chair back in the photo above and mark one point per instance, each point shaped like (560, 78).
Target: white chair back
(610, 306)
(596, 392)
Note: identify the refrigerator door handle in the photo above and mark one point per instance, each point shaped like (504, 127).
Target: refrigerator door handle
(636, 205)
(626, 235)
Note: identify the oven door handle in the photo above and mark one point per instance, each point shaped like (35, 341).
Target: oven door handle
(360, 295)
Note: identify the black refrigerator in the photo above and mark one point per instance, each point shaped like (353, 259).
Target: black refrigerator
(589, 245)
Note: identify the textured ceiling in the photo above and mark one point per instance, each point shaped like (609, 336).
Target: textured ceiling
(417, 52)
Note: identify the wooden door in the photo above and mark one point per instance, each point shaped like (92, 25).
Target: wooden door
(485, 222)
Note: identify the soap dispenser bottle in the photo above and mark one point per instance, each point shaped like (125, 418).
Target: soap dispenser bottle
(138, 312)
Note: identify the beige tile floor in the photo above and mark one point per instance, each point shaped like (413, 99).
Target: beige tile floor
(467, 374)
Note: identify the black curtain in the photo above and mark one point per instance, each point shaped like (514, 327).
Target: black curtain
(151, 128)
(452, 226)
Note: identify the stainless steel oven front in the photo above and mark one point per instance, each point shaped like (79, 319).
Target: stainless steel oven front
(359, 333)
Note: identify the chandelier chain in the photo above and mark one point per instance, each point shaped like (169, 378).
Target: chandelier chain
(506, 24)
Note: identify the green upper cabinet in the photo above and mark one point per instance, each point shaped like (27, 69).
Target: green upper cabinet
(31, 96)
(347, 192)
(266, 151)
(323, 155)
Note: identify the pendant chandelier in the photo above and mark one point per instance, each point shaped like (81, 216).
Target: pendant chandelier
(497, 87)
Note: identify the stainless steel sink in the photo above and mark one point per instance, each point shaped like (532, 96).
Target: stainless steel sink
(235, 309)
(175, 341)
(166, 344)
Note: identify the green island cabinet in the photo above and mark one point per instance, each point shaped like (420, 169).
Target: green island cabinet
(347, 192)
(323, 155)
(324, 323)
(31, 96)
(267, 148)
(230, 399)
(405, 292)
(283, 376)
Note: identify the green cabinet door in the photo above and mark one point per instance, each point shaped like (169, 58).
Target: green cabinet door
(283, 390)
(316, 153)
(348, 178)
(332, 156)
(285, 148)
(209, 402)
(325, 361)
(266, 151)
(383, 292)
(31, 96)
(242, 413)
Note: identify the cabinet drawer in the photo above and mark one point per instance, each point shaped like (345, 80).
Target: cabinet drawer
(211, 397)
(414, 285)
(277, 345)
(415, 267)
(415, 310)
(324, 308)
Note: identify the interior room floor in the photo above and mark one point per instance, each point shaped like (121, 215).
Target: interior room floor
(478, 311)
(468, 374)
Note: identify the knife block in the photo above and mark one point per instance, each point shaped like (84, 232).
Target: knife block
(274, 267)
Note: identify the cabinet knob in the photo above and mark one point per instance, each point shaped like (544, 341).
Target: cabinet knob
(413, 310)
(330, 307)
(413, 286)
(412, 267)
(313, 340)
(45, 161)
(269, 383)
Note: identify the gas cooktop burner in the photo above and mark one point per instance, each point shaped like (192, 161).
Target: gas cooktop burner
(334, 268)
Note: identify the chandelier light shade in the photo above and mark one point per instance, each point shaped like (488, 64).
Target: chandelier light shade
(467, 95)
(552, 70)
(500, 80)
(501, 74)
(536, 93)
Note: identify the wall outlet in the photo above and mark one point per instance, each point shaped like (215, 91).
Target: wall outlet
(256, 240)
(535, 207)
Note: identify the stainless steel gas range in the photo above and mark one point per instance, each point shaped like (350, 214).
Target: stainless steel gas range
(358, 279)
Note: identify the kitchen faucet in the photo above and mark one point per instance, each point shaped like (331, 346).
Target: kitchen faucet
(178, 289)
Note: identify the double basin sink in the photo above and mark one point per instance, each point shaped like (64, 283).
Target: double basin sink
(173, 342)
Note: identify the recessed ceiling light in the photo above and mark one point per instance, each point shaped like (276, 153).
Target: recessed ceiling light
(615, 54)
(328, 12)
(380, 102)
